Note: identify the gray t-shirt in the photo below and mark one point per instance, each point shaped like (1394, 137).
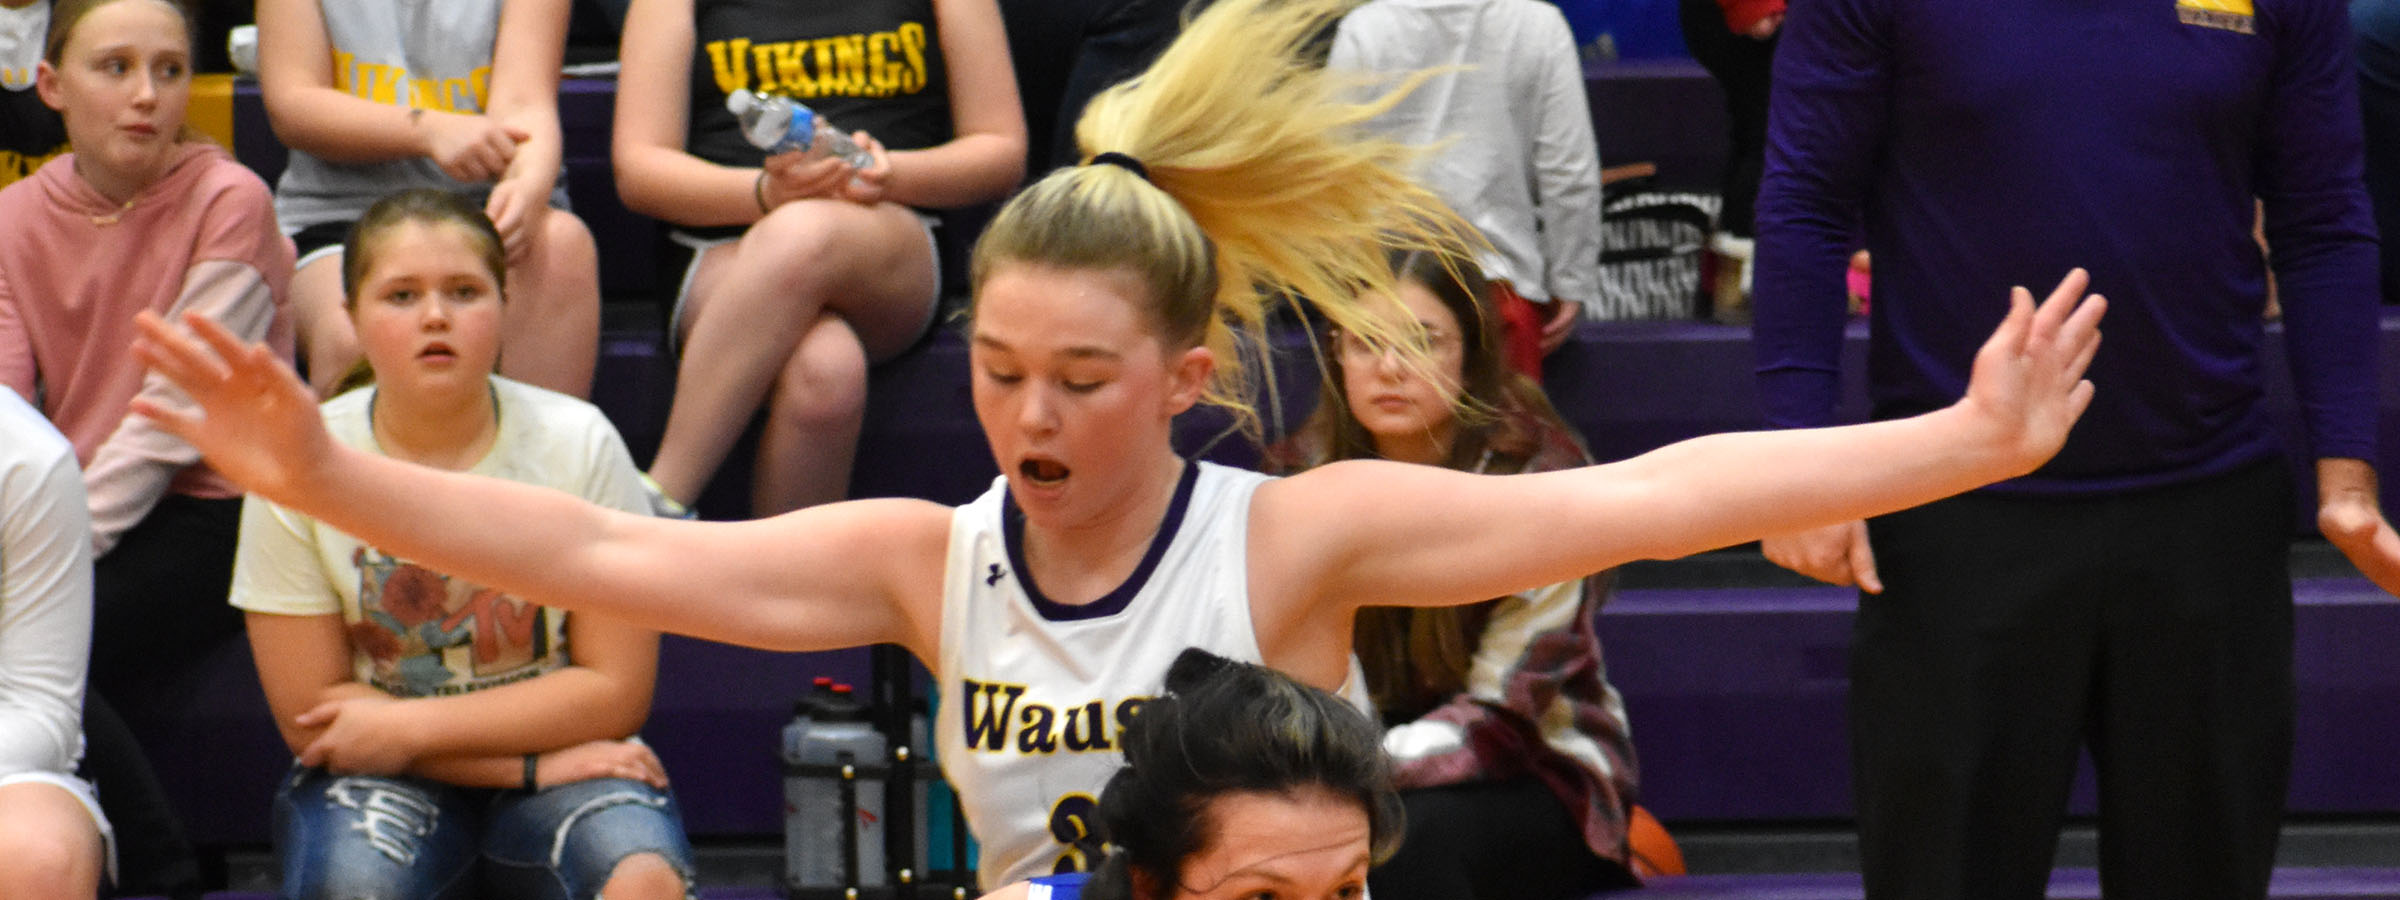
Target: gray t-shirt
(419, 54)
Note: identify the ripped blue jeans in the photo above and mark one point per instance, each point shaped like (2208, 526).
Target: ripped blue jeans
(404, 838)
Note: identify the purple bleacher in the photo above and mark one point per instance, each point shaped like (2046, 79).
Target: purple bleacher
(1766, 739)
(1663, 111)
(2065, 884)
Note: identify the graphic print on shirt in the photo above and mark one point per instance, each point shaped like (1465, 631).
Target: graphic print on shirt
(389, 85)
(2237, 16)
(880, 64)
(428, 634)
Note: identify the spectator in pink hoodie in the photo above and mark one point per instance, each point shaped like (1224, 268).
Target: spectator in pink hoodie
(142, 214)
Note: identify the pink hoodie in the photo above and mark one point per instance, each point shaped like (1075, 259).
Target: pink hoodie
(75, 267)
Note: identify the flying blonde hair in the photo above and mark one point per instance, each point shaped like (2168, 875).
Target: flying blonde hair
(1257, 180)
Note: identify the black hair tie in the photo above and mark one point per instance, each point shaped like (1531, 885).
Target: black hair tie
(1113, 158)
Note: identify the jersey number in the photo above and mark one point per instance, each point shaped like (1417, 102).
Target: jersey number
(1071, 823)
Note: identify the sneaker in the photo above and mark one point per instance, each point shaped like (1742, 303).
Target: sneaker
(662, 505)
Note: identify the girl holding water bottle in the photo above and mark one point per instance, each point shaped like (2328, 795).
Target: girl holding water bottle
(804, 267)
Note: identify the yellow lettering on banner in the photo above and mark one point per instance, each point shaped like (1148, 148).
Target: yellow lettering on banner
(730, 60)
(791, 69)
(883, 75)
(850, 60)
(912, 44)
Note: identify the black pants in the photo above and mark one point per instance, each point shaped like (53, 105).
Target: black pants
(1741, 65)
(2153, 628)
(153, 855)
(158, 606)
(158, 599)
(1500, 840)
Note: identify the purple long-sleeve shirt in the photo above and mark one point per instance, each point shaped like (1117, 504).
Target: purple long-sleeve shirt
(1981, 145)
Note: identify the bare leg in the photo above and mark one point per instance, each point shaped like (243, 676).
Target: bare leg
(551, 330)
(49, 846)
(753, 300)
(813, 418)
(328, 342)
(643, 876)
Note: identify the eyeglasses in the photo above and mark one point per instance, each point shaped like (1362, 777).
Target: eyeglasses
(1423, 339)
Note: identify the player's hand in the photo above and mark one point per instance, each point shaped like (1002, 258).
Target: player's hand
(254, 420)
(1834, 554)
(2028, 388)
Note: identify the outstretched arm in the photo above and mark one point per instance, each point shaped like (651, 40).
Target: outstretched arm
(831, 576)
(1366, 533)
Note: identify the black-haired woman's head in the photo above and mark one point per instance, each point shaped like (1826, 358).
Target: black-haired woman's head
(1240, 779)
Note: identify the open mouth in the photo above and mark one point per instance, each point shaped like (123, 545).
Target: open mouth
(1044, 472)
(437, 352)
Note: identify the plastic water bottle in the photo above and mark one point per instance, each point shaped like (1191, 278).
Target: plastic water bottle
(781, 124)
(831, 803)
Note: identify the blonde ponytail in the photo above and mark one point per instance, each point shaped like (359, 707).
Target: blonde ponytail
(1258, 180)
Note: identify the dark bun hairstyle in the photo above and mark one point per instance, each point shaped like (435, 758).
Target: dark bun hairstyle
(1228, 727)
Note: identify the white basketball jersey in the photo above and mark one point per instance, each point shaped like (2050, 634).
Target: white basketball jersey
(1034, 695)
